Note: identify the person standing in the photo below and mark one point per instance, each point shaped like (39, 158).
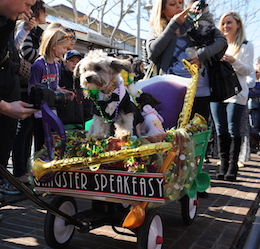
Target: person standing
(167, 41)
(254, 111)
(29, 50)
(138, 68)
(46, 70)
(227, 114)
(11, 108)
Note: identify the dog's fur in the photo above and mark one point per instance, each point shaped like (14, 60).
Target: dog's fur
(147, 99)
(99, 71)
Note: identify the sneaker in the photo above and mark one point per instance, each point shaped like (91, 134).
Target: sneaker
(240, 165)
(23, 179)
(9, 189)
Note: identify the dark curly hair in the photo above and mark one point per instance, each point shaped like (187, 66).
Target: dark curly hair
(39, 5)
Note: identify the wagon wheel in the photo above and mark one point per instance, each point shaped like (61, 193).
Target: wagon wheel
(124, 207)
(57, 232)
(188, 208)
(150, 233)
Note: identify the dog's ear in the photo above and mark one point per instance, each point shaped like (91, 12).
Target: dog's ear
(76, 70)
(119, 65)
(156, 102)
(149, 99)
(138, 100)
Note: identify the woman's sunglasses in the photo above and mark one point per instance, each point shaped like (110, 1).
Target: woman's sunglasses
(68, 37)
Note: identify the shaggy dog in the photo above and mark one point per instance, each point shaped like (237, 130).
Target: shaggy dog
(113, 110)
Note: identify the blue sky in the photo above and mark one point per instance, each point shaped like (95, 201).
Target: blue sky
(129, 23)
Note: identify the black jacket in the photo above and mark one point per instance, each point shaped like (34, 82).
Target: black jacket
(79, 110)
(9, 79)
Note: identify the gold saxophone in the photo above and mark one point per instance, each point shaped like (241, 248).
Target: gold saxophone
(184, 116)
(40, 168)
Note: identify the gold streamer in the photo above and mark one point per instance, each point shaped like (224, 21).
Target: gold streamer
(184, 116)
(40, 168)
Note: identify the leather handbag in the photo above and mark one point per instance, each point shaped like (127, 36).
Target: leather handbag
(24, 71)
(223, 81)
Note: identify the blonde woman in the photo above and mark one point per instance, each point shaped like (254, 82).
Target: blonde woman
(227, 114)
(166, 44)
(46, 70)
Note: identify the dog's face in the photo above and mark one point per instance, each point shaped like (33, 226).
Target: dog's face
(147, 99)
(97, 70)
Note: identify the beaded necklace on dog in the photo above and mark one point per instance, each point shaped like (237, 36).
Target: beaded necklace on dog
(93, 95)
(75, 91)
(49, 72)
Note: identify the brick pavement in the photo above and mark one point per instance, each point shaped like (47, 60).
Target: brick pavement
(222, 219)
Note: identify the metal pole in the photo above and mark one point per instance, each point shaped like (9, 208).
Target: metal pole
(137, 45)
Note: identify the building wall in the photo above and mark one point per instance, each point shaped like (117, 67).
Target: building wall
(123, 39)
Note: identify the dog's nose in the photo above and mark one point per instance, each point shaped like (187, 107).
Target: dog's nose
(89, 78)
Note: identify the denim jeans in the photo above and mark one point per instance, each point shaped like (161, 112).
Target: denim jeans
(227, 118)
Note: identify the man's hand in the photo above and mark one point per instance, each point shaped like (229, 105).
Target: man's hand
(16, 109)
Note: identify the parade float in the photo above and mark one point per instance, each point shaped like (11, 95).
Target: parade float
(127, 180)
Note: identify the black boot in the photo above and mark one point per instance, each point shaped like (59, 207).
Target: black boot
(231, 174)
(223, 148)
(254, 141)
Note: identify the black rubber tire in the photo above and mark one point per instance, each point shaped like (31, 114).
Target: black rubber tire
(57, 233)
(151, 228)
(188, 208)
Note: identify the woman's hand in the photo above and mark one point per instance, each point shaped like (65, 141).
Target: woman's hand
(229, 58)
(29, 24)
(181, 17)
(195, 60)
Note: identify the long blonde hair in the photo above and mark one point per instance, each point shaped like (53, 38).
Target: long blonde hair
(240, 37)
(158, 19)
(50, 37)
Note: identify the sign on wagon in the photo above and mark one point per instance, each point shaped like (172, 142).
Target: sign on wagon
(108, 183)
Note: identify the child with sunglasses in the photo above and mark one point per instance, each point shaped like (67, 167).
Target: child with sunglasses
(46, 70)
(73, 38)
